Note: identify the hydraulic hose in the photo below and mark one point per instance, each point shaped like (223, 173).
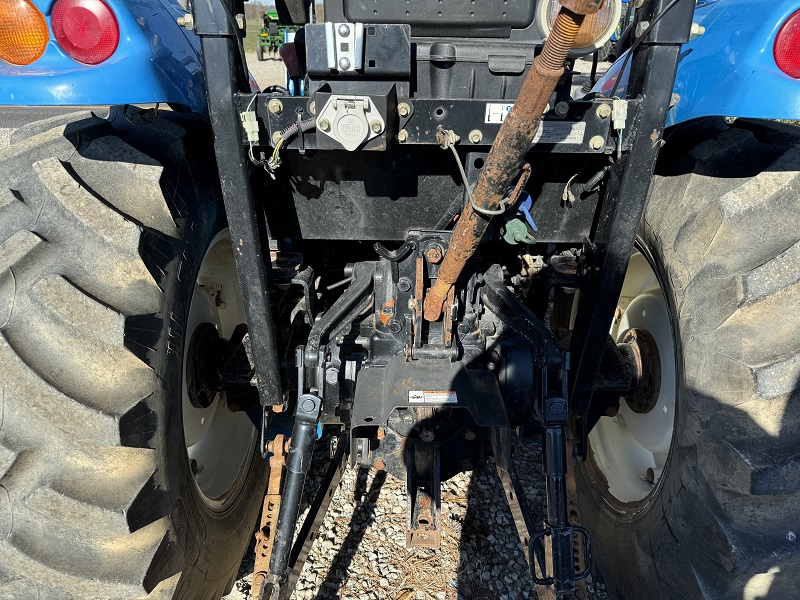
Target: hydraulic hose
(509, 149)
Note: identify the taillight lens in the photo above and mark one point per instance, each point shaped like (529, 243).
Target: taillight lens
(787, 47)
(23, 32)
(87, 30)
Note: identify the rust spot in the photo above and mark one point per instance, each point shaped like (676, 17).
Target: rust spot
(387, 312)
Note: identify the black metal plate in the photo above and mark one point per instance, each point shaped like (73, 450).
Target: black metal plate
(381, 390)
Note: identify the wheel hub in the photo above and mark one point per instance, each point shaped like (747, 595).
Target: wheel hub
(202, 365)
(631, 447)
(641, 350)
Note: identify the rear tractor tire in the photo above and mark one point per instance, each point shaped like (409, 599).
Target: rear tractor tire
(698, 494)
(113, 249)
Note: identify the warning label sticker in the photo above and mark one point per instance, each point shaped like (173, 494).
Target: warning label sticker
(432, 397)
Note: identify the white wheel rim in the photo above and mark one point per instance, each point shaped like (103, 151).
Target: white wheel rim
(219, 443)
(631, 449)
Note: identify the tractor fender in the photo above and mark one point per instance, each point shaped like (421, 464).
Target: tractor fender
(729, 70)
(156, 61)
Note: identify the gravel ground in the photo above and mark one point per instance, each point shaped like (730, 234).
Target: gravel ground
(360, 552)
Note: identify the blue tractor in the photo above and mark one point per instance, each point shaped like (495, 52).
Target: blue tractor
(431, 251)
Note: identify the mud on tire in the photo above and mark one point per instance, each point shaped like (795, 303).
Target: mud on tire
(103, 224)
(722, 227)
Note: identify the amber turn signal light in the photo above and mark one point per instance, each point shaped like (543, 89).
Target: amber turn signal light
(23, 32)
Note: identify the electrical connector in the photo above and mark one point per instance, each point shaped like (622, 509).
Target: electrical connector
(619, 113)
(250, 125)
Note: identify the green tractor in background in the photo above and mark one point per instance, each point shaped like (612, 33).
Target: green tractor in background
(272, 35)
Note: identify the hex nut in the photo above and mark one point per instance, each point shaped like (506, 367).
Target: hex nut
(324, 124)
(475, 136)
(403, 109)
(275, 106)
(402, 136)
(597, 142)
(434, 254)
(604, 111)
(376, 126)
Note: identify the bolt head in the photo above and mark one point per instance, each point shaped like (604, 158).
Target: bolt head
(604, 111)
(469, 435)
(597, 142)
(312, 107)
(435, 254)
(403, 109)
(324, 124)
(344, 30)
(275, 106)
(276, 137)
(376, 126)
(402, 136)
(562, 108)
(344, 63)
(331, 376)
(475, 136)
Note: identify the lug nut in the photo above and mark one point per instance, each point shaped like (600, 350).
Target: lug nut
(324, 124)
(475, 136)
(402, 136)
(275, 106)
(604, 111)
(403, 109)
(376, 126)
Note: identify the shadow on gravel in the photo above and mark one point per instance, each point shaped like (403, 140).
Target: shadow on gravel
(363, 517)
(491, 564)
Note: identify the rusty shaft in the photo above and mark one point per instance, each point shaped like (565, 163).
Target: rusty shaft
(509, 149)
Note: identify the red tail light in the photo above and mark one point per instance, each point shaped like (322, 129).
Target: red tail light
(787, 47)
(87, 30)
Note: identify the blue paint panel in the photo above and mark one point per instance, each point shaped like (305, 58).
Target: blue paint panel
(156, 61)
(730, 70)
